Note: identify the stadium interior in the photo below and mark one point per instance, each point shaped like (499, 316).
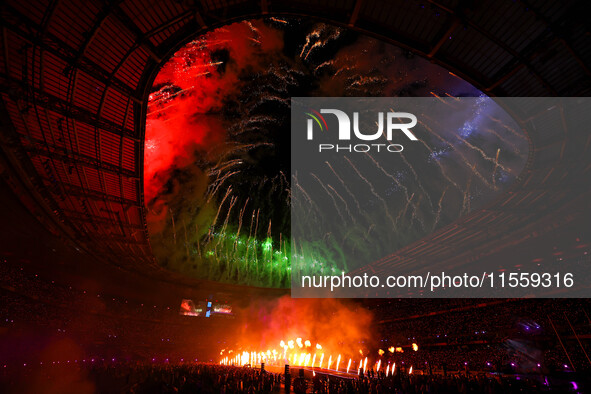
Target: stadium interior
(142, 142)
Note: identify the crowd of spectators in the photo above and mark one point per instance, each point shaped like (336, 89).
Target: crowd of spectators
(415, 383)
(455, 337)
(488, 334)
(189, 377)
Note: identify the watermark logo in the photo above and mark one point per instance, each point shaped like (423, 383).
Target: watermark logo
(387, 125)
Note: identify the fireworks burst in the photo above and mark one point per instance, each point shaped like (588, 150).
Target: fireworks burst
(217, 150)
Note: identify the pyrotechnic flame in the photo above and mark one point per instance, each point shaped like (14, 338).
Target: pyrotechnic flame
(379, 364)
(387, 369)
(415, 347)
(410, 371)
(305, 354)
(381, 352)
(391, 349)
(348, 365)
(365, 365)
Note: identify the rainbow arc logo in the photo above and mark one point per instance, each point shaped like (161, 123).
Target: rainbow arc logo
(317, 117)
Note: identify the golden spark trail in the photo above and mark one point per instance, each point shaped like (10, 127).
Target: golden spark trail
(404, 188)
(361, 81)
(344, 185)
(256, 228)
(327, 63)
(316, 34)
(252, 27)
(403, 211)
(208, 43)
(439, 206)
(464, 159)
(233, 200)
(413, 216)
(240, 223)
(168, 96)
(453, 97)
(495, 169)
(220, 206)
(372, 191)
(439, 98)
(278, 20)
(219, 183)
(248, 240)
(317, 44)
(332, 198)
(303, 191)
(418, 181)
(441, 167)
(510, 129)
(344, 203)
(504, 140)
(439, 164)
(222, 166)
(466, 201)
(483, 154)
(343, 69)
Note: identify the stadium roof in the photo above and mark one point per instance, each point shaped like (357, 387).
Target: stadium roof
(75, 77)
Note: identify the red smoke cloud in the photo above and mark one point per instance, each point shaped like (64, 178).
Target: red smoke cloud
(340, 327)
(183, 115)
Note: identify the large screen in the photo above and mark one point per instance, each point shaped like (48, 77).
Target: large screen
(204, 308)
